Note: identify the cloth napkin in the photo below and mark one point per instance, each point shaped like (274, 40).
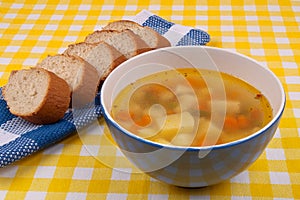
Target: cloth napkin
(19, 138)
(177, 34)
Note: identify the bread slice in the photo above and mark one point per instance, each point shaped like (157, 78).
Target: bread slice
(82, 77)
(152, 38)
(37, 95)
(101, 55)
(126, 42)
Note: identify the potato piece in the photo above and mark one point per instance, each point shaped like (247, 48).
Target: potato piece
(175, 123)
(147, 132)
(230, 106)
(183, 139)
(181, 89)
(157, 111)
(188, 102)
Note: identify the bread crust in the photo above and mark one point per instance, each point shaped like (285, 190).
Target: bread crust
(71, 50)
(99, 35)
(120, 25)
(86, 79)
(141, 45)
(87, 88)
(61, 93)
(112, 35)
(161, 40)
(117, 57)
(54, 104)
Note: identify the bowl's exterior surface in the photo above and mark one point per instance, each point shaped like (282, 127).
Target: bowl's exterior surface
(193, 167)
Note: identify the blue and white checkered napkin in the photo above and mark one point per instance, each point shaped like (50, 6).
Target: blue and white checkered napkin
(19, 138)
(177, 34)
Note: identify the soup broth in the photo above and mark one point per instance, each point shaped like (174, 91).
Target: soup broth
(191, 107)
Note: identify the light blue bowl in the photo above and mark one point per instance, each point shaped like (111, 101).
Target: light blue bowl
(193, 166)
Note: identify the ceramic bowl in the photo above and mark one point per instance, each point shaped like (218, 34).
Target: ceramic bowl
(193, 166)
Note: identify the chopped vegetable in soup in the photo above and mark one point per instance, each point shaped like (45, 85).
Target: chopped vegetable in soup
(190, 107)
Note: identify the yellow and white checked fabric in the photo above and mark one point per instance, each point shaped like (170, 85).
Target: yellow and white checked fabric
(86, 165)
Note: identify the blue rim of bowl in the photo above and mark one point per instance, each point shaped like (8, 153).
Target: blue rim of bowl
(275, 119)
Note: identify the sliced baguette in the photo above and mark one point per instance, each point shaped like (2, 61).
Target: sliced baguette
(152, 38)
(37, 95)
(126, 42)
(101, 55)
(82, 77)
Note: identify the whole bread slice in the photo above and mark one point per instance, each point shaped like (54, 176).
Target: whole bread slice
(82, 77)
(152, 38)
(37, 95)
(101, 55)
(125, 41)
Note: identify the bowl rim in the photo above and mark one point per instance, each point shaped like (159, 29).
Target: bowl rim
(258, 133)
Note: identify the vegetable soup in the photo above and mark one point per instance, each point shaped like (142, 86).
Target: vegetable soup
(191, 107)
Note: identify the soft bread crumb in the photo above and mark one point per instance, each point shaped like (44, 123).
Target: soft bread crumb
(82, 77)
(126, 42)
(37, 95)
(101, 55)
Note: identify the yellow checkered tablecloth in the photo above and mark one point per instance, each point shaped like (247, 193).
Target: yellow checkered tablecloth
(85, 166)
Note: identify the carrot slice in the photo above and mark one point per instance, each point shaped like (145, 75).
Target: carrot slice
(144, 120)
(243, 121)
(231, 123)
(196, 82)
(204, 105)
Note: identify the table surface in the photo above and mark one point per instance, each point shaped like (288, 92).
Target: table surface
(268, 31)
